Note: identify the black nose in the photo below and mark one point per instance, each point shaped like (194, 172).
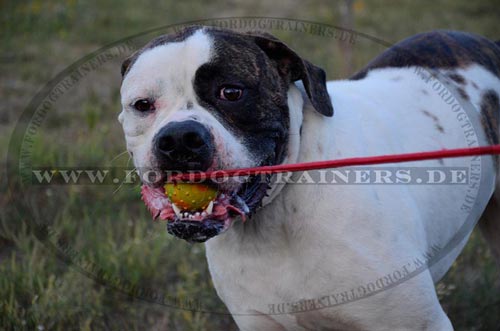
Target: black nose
(182, 146)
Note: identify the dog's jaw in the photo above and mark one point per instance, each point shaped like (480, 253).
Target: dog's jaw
(296, 97)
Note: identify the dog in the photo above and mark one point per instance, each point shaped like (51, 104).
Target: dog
(353, 256)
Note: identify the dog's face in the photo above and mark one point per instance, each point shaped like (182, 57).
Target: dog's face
(208, 99)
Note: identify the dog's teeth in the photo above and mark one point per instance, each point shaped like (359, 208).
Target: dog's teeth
(242, 204)
(186, 214)
(191, 216)
(176, 210)
(197, 214)
(204, 214)
(210, 208)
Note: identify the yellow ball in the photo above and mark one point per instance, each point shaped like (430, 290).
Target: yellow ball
(189, 196)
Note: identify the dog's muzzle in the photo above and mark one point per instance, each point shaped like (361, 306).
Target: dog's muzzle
(189, 146)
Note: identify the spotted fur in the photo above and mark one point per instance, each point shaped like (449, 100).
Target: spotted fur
(490, 116)
(439, 50)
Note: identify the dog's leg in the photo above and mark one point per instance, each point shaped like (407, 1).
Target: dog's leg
(490, 227)
(412, 305)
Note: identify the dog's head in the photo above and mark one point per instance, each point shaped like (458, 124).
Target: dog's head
(208, 99)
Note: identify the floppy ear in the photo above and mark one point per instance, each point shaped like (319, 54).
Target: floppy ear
(129, 61)
(293, 67)
(126, 64)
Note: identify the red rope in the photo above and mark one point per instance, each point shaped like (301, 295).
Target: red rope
(355, 161)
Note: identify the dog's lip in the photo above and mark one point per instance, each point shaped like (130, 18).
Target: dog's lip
(233, 199)
(225, 208)
(196, 231)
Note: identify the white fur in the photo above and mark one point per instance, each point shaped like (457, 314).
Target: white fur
(344, 236)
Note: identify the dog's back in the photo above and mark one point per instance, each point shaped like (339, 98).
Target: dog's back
(448, 50)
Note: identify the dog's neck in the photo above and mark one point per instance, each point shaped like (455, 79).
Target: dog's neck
(253, 234)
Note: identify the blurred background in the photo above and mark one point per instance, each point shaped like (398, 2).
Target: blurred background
(109, 225)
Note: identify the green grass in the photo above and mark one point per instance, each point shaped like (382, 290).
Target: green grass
(111, 227)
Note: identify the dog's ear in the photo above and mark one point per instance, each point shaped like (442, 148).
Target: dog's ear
(128, 62)
(293, 67)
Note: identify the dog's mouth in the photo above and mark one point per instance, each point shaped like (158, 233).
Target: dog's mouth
(200, 224)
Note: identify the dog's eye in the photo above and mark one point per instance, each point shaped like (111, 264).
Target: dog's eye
(144, 105)
(230, 93)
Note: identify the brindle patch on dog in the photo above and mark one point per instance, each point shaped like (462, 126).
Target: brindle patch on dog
(264, 71)
(261, 115)
(463, 94)
(490, 117)
(435, 119)
(459, 79)
(439, 49)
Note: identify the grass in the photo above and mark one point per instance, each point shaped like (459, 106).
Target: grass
(110, 227)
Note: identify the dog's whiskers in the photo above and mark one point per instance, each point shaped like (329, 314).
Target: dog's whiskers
(119, 155)
(121, 184)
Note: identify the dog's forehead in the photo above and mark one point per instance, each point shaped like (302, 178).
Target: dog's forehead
(161, 60)
(178, 56)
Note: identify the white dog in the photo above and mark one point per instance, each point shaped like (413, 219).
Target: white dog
(355, 249)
